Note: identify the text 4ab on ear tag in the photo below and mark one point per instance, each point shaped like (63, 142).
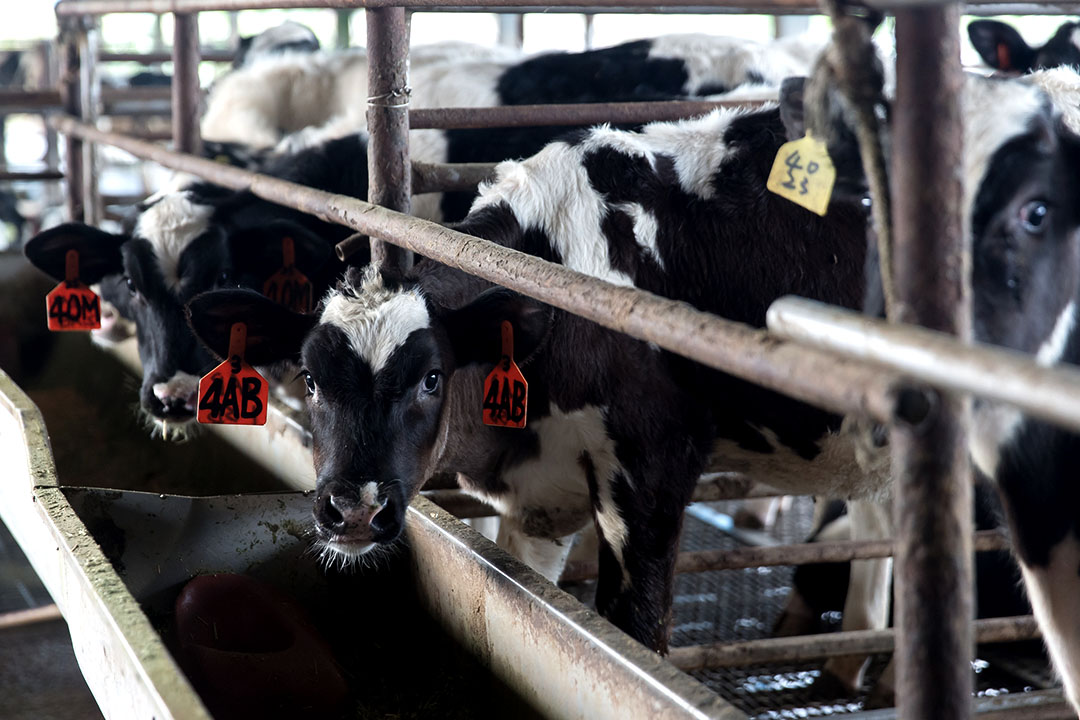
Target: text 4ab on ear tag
(506, 393)
(233, 393)
(288, 286)
(804, 174)
(72, 305)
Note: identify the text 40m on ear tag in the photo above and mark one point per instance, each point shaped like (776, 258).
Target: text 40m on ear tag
(288, 286)
(804, 174)
(506, 393)
(71, 305)
(233, 393)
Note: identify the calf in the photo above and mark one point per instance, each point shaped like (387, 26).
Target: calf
(1001, 47)
(288, 37)
(193, 239)
(617, 429)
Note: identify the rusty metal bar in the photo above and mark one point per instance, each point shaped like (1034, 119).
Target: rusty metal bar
(29, 100)
(205, 55)
(389, 174)
(812, 376)
(933, 564)
(1048, 393)
(71, 101)
(31, 175)
(185, 86)
(136, 94)
(90, 102)
(812, 647)
(101, 7)
(776, 555)
(32, 616)
(572, 114)
(448, 177)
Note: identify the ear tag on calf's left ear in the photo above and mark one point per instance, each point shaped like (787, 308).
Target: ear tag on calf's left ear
(804, 174)
(233, 393)
(506, 393)
(288, 286)
(71, 305)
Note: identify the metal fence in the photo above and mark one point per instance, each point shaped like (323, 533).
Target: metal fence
(935, 541)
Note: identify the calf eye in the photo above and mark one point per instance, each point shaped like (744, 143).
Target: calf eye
(431, 382)
(130, 285)
(1033, 217)
(310, 382)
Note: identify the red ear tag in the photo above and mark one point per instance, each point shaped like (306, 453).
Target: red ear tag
(233, 393)
(72, 305)
(288, 286)
(506, 393)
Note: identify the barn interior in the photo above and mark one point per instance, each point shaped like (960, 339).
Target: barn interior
(104, 521)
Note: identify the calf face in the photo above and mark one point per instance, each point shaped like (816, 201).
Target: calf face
(1002, 48)
(382, 366)
(174, 252)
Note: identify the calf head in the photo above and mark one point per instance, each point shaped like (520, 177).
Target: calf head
(174, 252)
(386, 369)
(1002, 48)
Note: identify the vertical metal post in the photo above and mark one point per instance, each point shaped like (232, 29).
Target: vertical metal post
(389, 176)
(933, 490)
(511, 29)
(90, 104)
(185, 85)
(71, 30)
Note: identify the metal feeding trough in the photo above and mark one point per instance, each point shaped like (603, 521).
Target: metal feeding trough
(456, 624)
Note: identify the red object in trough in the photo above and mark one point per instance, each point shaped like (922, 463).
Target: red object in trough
(251, 652)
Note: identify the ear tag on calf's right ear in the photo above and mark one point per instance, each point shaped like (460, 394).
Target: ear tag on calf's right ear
(233, 393)
(288, 286)
(804, 174)
(506, 393)
(71, 305)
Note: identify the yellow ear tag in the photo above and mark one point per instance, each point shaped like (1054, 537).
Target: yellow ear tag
(804, 174)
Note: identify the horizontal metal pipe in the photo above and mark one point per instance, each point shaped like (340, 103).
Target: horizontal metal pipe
(815, 377)
(105, 7)
(31, 175)
(449, 177)
(776, 555)
(205, 55)
(33, 616)
(26, 100)
(1051, 394)
(568, 114)
(813, 647)
(711, 488)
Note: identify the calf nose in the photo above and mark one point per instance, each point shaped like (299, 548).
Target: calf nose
(347, 514)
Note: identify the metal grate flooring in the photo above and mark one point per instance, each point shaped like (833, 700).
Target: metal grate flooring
(735, 605)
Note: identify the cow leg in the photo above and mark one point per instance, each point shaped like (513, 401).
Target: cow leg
(1054, 591)
(867, 603)
(546, 556)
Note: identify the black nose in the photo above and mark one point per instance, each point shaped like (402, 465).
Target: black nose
(175, 408)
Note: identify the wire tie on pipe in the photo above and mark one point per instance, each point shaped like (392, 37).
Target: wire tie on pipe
(399, 96)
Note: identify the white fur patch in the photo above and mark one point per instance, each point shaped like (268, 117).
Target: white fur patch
(1054, 346)
(376, 320)
(170, 224)
(697, 146)
(646, 229)
(551, 192)
(1054, 592)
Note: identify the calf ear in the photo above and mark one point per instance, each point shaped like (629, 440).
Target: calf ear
(1000, 45)
(257, 251)
(99, 251)
(475, 330)
(273, 332)
(792, 113)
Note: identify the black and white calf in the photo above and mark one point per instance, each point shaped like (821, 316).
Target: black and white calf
(618, 430)
(288, 37)
(1001, 47)
(194, 239)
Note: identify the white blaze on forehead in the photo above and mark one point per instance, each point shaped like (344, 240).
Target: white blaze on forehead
(169, 225)
(376, 320)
